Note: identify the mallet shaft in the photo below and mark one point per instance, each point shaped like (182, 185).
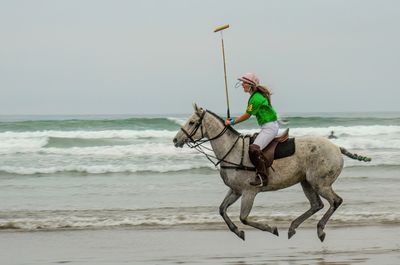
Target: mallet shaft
(223, 58)
(226, 82)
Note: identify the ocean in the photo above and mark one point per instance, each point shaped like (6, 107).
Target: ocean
(111, 171)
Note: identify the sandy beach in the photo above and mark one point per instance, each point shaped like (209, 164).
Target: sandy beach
(343, 245)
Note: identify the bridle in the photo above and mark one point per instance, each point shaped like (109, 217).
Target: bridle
(198, 145)
(199, 124)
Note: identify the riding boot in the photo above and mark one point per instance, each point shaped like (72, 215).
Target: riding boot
(260, 163)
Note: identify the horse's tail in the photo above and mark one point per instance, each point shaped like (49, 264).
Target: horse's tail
(354, 156)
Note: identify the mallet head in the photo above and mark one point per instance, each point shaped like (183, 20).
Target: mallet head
(221, 28)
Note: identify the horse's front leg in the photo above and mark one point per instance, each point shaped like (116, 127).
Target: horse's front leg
(245, 208)
(230, 198)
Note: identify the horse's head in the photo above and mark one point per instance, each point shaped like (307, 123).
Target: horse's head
(193, 130)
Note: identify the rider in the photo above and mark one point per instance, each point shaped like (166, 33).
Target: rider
(259, 104)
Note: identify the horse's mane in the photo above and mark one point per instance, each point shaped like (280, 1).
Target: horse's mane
(223, 122)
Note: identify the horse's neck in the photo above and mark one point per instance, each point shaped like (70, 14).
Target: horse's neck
(222, 144)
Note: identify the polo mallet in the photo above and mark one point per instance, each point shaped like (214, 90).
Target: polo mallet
(221, 28)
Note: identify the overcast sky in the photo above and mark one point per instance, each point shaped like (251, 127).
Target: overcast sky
(157, 57)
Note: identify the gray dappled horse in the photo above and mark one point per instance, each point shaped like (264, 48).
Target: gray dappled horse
(316, 164)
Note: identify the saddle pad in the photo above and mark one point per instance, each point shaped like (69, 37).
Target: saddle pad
(285, 149)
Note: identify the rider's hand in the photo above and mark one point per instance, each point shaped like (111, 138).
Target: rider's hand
(230, 121)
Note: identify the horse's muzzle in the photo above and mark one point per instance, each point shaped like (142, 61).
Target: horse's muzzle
(175, 140)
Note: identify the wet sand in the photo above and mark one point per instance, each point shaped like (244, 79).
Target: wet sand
(343, 245)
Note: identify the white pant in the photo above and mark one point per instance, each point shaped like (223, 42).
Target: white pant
(268, 132)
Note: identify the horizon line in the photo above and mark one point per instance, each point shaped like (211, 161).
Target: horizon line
(182, 113)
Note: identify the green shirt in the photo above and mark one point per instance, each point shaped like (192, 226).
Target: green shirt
(259, 106)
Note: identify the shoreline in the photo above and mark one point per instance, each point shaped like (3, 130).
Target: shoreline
(342, 245)
(210, 226)
(217, 227)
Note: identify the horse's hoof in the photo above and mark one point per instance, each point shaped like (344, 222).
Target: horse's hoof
(241, 235)
(275, 231)
(291, 233)
(321, 236)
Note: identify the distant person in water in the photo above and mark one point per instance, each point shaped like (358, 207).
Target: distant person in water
(332, 135)
(259, 105)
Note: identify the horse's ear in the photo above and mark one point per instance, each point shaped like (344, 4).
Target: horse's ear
(197, 109)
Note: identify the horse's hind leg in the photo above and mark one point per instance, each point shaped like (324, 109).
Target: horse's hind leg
(245, 208)
(315, 203)
(335, 201)
(230, 198)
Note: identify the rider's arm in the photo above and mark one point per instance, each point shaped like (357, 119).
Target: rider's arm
(241, 118)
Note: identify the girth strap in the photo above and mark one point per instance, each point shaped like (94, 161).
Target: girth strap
(240, 166)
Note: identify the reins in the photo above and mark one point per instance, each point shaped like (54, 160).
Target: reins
(198, 145)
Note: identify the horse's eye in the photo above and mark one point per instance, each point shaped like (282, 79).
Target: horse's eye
(191, 123)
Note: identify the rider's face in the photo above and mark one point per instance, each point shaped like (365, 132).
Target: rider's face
(246, 87)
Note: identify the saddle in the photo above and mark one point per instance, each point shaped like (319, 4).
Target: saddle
(280, 147)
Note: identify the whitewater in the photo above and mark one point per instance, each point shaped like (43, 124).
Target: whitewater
(95, 172)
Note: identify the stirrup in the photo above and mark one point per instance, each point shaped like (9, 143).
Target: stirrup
(261, 181)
